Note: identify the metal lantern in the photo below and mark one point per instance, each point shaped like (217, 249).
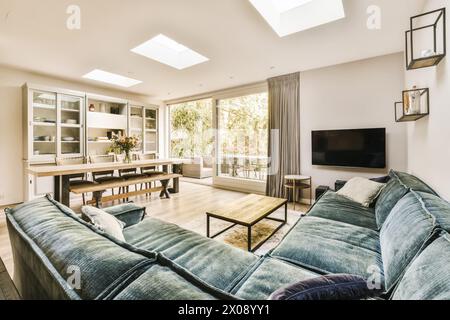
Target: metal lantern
(426, 43)
(415, 105)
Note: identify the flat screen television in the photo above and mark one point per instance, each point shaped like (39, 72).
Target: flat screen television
(358, 148)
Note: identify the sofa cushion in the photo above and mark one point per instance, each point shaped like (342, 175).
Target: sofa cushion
(216, 263)
(64, 243)
(412, 182)
(267, 277)
(438, 207)
(387, 200)
(399, 185)
(128, 213)
(104, 221)
(330, 287)
(362, 191)
(428, 277)
(338, 208)
(328, 246)
(409, 226)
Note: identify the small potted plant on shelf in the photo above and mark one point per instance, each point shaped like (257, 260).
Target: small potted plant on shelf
(125, 145)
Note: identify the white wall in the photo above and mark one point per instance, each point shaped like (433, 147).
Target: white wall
(429, 138)
(353, 96)
(11, 155)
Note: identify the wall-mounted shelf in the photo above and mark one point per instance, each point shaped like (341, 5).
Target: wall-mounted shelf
(426, 43)
(414, 106)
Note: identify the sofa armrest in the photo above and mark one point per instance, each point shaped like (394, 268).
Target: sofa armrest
(128, 213)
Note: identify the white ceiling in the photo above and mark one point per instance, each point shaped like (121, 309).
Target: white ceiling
(241, 46)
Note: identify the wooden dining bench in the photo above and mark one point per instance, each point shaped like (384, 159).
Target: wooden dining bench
(98, 189)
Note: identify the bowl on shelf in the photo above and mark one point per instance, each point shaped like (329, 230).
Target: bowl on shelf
(71, 121)
(68, 139)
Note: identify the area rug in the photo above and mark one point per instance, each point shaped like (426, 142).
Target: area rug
(237, 236)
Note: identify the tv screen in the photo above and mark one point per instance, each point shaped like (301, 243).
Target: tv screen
(360, 148)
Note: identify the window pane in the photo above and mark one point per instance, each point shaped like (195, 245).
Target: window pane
(191, 131)
(243, 137)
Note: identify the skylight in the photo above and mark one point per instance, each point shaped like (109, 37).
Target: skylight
(111, 78)
(168, 51)
(291, 16)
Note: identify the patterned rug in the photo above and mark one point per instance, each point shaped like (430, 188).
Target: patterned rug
(237, 236)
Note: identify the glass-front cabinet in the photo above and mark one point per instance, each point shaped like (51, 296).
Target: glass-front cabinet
(65, 123)
(151, 130)
(53, 124)
(136, 125)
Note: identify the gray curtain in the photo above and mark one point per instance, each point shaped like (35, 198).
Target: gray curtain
(284, 132)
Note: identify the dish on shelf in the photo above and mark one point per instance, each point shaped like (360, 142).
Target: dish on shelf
(43, 138)
(68, 139)
(39, 119)
(71, 121)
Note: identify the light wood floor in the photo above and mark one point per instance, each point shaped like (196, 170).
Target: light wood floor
(182, 209)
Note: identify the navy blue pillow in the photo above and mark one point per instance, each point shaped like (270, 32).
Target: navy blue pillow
(384, 179)
(330, 287)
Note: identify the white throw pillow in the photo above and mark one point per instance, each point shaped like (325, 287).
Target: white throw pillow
(105, 222)
(362, 191)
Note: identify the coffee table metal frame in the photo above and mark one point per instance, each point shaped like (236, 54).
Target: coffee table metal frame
(248, 225)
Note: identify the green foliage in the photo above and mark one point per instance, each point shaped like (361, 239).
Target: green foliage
(191, 129)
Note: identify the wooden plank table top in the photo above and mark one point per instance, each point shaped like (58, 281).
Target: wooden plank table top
(54, 170)
(248, 210)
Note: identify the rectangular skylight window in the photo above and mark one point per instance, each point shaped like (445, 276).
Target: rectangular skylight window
(168, 51)
(291, 16)
(111, 78)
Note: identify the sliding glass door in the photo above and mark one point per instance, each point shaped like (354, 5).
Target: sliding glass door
(242, 135)
(191, 133)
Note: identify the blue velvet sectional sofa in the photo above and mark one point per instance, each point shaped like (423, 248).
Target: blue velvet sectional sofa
(401, 245)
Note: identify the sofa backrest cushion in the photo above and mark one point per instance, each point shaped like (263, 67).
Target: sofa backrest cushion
(438, 207)
(387, 200)
(399, 185)
(404, 234)
(428, 277)
(412, 182)
(49, 239)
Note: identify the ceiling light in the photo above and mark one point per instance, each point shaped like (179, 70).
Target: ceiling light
(292, 16)
(111, 78)
(169, 52)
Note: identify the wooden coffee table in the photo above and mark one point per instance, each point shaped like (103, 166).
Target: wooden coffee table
(247, 212)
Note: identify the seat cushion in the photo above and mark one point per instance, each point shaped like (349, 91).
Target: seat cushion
(428, 277)
(269, 276)
(406, 230)
(328, 246)
(216, 263)
(161, 283)
(338, 208)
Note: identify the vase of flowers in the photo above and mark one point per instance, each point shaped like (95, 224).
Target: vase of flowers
(125, 145)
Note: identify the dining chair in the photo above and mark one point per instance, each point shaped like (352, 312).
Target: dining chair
(130, 174)
(105, 176)
(149, 171)
(75, 179)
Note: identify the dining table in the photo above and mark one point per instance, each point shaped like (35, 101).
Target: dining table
(62, 173)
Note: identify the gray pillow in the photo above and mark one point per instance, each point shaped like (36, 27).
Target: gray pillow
(330, 287)
(104, 222)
